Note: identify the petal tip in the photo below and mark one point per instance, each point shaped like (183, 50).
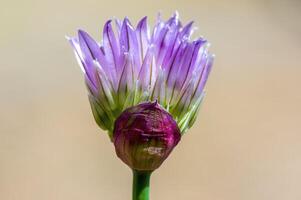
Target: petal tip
(68, 38)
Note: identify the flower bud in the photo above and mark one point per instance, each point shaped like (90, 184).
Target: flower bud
(144, 135)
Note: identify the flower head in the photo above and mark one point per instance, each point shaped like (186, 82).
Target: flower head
(132, 65)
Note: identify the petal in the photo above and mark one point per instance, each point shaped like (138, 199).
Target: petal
(94, 48)
(182, 104)
(156, 31)
(182, 36)
(204, 76)
(118, 25)
(173, 71)
(145, 75)
(196, 57)
(126, 82)
(142, 33)
(158, 92)
(129, 44)
(111, 49)
(77, 51)
(87, 57)
(166, 40)
(105, 86)
(96, 51)
(186, 31)
(102, 115)
(184, 67)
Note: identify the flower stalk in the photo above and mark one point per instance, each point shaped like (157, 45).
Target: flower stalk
(141, 182)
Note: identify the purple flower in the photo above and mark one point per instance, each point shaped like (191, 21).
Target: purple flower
(145, 88)
(133, 64)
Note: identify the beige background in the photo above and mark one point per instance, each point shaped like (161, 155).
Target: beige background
(246, 144)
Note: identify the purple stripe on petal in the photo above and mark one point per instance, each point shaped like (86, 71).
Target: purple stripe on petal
(175, 42)
(193, 73)
(175, 66)
(184, 68)
(93, 88)
(167, 43)
(159, 40)
(95, 49)
(87, 57)
(110, 44)
(96, 55)
(171, 71)
(171, 50)
(92, 45)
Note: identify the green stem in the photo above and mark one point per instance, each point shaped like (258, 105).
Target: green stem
(141, 185)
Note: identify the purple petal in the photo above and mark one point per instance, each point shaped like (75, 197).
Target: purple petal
(181, 74)
(205, 75)
(186, 31)
(175, 64)
(182, 36)
(183, 103)
(194, 61)
(77, 51)
(145, 75)
(95, 50)
(166, 44)
(87, 57)
(126, 81)
(171, 72)
(159, 93)
(184, 67)
(111, 49)
(105, 86)
(118, 25)
(129, 44)
(142, 33)
(172, 43)
(92, 87)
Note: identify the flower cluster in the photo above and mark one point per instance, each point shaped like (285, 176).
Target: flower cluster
(132, 65)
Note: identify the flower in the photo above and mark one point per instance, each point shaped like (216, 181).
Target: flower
(144, 136)
(145, 88)
(132, 65)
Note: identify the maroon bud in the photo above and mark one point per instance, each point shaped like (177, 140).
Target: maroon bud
(144, 135)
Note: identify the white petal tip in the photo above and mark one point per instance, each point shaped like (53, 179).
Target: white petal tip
(176, 14)
(68, 37)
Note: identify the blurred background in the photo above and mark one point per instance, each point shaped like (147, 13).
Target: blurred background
(245, 145)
